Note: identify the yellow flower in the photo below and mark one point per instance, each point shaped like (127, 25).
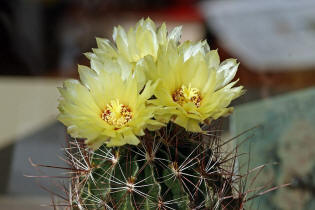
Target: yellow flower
(142, 40)
(104, 108)
(193, 85)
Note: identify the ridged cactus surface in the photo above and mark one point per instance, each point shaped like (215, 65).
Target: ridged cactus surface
(171, 169)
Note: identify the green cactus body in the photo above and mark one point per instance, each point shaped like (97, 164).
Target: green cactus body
(173, 169)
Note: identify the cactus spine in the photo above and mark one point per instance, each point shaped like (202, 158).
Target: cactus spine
(170, 169)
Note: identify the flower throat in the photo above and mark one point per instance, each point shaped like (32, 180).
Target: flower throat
(116, 114)
(187, 94)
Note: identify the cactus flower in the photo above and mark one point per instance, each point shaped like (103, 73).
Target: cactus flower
(104, 108)
(194, 87)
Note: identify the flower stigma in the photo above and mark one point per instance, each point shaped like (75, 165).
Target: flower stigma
(116, 114)
(187, 94)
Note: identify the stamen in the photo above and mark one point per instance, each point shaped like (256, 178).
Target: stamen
(116, 114)
(187, 94)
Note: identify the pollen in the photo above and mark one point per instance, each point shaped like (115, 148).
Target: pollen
(187, 94)
(116, 114)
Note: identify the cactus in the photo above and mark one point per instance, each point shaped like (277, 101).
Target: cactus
(169, 169)
(142, 125)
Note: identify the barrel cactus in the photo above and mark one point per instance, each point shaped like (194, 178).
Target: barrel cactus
(142, 124)
(171, 169)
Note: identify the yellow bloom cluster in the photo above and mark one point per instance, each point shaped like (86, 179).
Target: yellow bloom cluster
(145, 80)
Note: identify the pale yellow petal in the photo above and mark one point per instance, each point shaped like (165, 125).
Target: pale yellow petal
(226, 72)
(175, 34)
(162, 34)
(213, 59)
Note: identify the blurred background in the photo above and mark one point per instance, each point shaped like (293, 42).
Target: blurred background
(42, 41)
